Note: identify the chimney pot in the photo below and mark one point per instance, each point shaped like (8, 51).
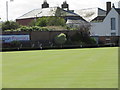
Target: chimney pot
(65, 5)
(108, 7)
(45, 4)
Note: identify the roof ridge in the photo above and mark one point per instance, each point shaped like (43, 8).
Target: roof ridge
(117, 10)
(28, 12)
(89, 8)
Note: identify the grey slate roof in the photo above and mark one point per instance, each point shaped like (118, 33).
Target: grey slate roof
(99, 18)
(91, 13)
(118, 10)
(69, 21)
(52, 11)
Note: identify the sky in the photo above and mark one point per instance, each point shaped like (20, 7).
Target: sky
(19, 7)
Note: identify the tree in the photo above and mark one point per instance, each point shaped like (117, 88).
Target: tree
(60, 39)
(9, 25)
(56, 21)
(82, 38)
(41, 22)
(50, 21)
(83, 34)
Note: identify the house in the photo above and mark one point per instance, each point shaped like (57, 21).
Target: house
(74, 23)
(90, 14)
(108, 27)
(47, 11)
(105, 24)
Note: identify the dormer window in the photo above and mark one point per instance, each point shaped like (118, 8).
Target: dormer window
(113, 24)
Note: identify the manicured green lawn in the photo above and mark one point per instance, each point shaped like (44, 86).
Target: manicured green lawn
(70, 68)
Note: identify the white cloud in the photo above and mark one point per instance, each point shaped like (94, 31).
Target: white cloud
(20, 7)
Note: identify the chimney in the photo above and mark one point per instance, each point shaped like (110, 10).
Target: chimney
(108, 7)
(65, 5)
(113, 6)
(45, 4)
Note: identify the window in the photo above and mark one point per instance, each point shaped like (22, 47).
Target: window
(113, 23)
(113, 34)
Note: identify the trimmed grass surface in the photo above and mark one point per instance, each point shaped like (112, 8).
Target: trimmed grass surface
(70, 68)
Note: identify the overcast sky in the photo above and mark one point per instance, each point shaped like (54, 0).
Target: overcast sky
(20, 7)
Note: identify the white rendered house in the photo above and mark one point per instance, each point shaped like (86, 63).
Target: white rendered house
(110, 26)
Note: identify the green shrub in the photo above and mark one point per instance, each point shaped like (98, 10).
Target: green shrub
(60, 39)
(42, 22)
(50, 21)
(8, 30)
(9, 25)
(36, 28)
(82, 38)
(76, 37)
(24, 28)
(30, 29)
(55, 21)
(92, 41)
(44, 29)
(15, 43)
